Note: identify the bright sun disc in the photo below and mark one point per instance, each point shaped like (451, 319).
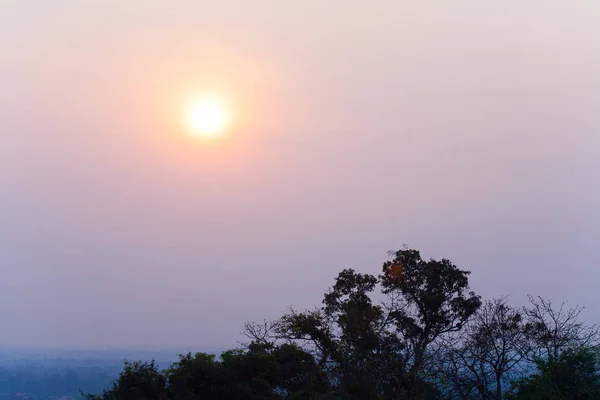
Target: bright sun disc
(207, 118)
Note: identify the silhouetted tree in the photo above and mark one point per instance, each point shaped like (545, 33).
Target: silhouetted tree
(297, 372)
(198, 376)
(553, 331)
(415, 332)
(434, 300)
(572, 376)
(138, 381)
(488, 354)
(372, 350)
(344, 333)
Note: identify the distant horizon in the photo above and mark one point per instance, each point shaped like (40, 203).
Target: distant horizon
(112, 354)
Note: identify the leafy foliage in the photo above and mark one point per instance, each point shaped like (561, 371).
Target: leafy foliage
(572, 376)
(415, 332)
(138, 381)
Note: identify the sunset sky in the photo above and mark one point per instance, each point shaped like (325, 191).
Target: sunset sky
(467, 129)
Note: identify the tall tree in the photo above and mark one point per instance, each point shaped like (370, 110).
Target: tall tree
(488, 354)
(374, 350)
(344, 333)
(435, 300)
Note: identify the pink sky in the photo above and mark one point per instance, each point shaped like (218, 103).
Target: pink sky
(469, 130)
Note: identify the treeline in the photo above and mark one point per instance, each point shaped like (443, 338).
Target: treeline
(414, 332)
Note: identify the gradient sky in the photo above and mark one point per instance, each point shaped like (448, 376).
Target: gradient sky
(467, 129)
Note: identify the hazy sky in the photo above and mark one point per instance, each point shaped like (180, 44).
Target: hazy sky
(468, 129)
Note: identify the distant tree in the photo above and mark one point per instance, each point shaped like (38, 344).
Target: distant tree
(553, 331)
(138, 381)
(572, 376)
(488, 354)
(564, 351)
(199, 376)
(259, 372)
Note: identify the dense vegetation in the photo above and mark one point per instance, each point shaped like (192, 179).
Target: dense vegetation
(415, 332)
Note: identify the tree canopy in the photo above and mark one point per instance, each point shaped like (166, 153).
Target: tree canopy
(416, 331)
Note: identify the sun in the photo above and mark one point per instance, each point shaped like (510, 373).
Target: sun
(207, 117)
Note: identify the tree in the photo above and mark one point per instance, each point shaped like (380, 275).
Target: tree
(297, 373)
(343, 334)
(138, 381)
(564, 351)
(554, 331)
(415, 332)
(572, 376)
(372, 350)
(435, 301)
(198, 376)
(488, 354)
(259, 372)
